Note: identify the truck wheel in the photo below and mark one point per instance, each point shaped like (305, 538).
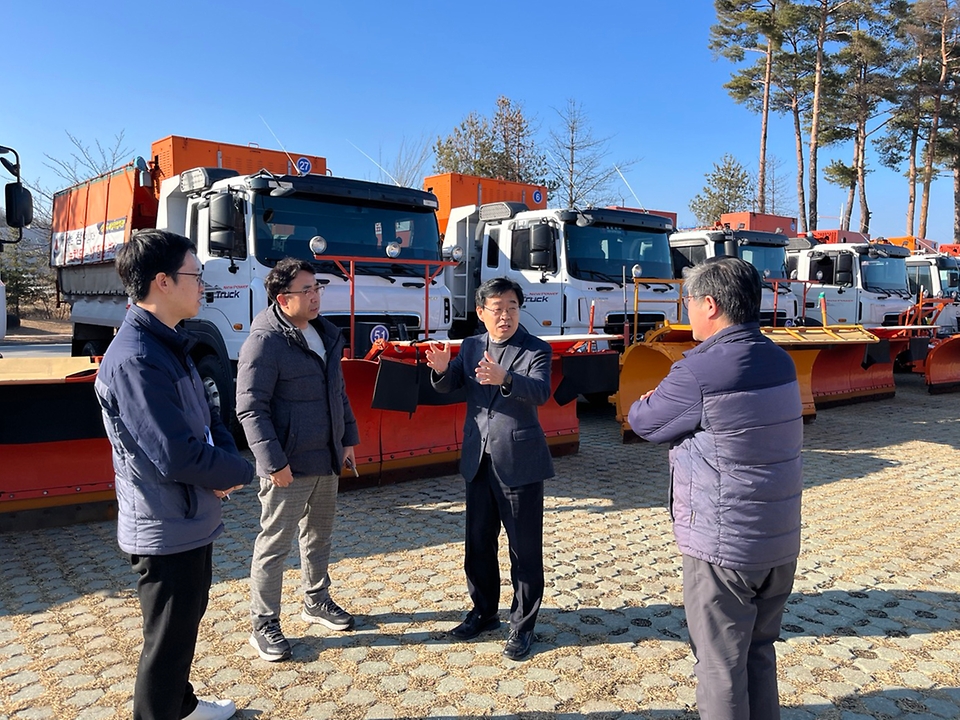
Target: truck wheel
(219, 387)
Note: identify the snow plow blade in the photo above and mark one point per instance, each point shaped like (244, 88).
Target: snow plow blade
(407, 429)
(835, 364)
(644, 365)
(941, 366)
(55, 456)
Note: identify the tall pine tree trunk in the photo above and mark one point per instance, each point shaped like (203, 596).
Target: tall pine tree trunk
(928, 167)
(815, 114)
(764, 119)
(912, 155)
(862, 175)
(956, 199)
(798, 136)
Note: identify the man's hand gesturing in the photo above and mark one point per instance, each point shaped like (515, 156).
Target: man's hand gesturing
(438, 357)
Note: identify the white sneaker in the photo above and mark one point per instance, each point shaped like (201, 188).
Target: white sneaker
(213, 710)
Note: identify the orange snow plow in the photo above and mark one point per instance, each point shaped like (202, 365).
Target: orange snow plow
(408, 429)
(929, 352)
(643, 365)
(56, 460)
(54, 455)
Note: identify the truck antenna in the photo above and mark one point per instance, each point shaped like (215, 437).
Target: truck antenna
(640, 204)
(292, 163)
(376, 163)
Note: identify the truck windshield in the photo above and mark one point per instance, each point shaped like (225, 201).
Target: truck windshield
(949, 275)
(285, 225)
(606, 252)
(884, 273)
(769, 260)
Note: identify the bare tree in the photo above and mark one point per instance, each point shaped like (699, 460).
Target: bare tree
(776, 181)
(406, 168)
(86, 162)
(577, 161)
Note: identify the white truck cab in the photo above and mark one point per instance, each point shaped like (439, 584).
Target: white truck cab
(766, 251)
(861, 283)
(938, 275)
(568, 263)
(244, 224)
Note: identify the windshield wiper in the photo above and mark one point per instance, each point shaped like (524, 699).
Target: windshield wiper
(601, 275)
(378, 270)
(329, 267)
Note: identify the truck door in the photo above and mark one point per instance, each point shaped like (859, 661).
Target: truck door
(226, 274)
(841, 294)
(533, 263)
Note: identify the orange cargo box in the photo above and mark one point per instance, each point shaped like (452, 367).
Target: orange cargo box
(174, 154)
(761, 222)
(840, 236)
(907, 241)
(949, 249)
(93, 218)
(455, 190)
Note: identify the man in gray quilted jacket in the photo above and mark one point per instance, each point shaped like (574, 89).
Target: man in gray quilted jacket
(731, 411)
(292, 403)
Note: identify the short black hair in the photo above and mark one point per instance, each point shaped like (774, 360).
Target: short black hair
(284, 273)
(734, 283)
(147, 254)
(495, 288)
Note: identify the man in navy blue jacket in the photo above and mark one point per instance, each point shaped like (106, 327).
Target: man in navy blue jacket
(504, 460)
(731, 411)
(174, 461)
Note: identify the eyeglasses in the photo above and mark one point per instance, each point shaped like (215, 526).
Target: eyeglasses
(688, 298)
(312, 290)
(500, 312)
(198, 276)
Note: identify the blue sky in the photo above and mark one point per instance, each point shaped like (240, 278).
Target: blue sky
(327, 76)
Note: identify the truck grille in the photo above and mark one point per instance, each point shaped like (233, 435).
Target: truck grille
(645, 321)
(401, 327)
(766, 318)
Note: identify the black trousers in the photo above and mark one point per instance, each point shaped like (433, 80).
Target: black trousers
(490, 503)
(173, 592)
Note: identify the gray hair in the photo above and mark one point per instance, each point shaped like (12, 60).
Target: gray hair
(733, 283)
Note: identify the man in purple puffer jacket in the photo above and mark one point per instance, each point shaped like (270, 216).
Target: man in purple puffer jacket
(731, 411)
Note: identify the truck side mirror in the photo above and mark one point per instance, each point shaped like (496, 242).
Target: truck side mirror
(19, 205)
(541, 247)
(223, 222)
(844, 274)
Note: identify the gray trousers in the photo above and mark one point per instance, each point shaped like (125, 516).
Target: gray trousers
(733, 617)
(304, 508)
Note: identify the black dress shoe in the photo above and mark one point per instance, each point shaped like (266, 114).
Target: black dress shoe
(473, 625)
(518, 644)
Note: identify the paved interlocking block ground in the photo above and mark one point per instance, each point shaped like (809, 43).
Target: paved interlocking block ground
(872, 629)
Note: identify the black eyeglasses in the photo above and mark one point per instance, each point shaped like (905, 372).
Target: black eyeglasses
(688, 298)
(313, 290)
(500, 312)
(198, 276)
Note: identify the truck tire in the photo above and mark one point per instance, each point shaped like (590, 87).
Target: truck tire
(218, 384)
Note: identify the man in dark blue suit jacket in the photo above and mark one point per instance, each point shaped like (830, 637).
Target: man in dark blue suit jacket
(505, 459)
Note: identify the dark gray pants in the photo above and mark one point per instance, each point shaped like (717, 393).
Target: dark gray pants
(734, 618)
(305, 510)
